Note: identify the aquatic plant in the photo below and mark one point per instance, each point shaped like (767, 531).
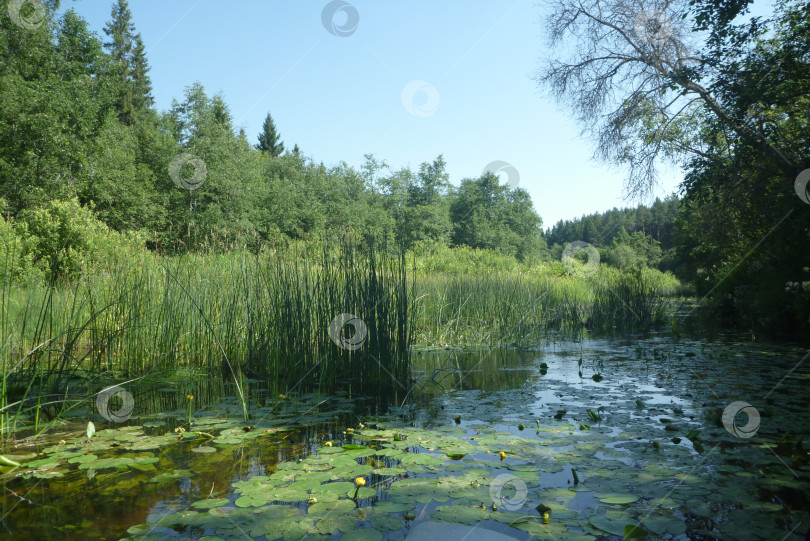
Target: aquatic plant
(245, 317)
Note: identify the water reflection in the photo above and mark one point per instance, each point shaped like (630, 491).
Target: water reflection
(648, 389)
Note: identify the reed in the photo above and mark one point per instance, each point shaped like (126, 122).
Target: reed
(272, 321)
(521, 308)
(241, 316)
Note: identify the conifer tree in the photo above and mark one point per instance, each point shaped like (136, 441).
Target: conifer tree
(269, 139)
(142, 84)
(129, 55)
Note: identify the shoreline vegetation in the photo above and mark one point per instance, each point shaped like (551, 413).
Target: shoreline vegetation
(275, 317)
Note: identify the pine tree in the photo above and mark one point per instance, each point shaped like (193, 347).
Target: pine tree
(269, 139)
(120, 30)
(142, 84)
(129, 55)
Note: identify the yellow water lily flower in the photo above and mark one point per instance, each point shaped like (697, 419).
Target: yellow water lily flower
(361, 482)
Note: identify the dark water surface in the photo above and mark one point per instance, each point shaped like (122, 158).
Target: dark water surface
(647, 425)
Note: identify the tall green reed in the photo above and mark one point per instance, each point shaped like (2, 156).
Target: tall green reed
(240, 316)
(520, 309)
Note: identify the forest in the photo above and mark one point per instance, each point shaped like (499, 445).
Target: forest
(83, 145)
(210, 335)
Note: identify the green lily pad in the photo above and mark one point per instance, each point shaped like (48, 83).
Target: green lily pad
(210, 504)
(616, 498)
(661, 525)
(387, 523)
(363, 534)
(610, 525)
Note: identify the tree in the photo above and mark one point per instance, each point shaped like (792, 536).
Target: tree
(226, 205)
(486, 214)
(120, 31)
(134, 92)
(269, 139)
(141, 83)
(53, 97)
(732, 110)
(427, 214)
(601, 229)
(641, 85)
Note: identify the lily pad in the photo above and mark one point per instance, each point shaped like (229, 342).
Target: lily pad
(616, 498)
(210, 504)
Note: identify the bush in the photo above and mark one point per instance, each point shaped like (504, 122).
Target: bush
(16, 262)
(435, 257)
(64, 238)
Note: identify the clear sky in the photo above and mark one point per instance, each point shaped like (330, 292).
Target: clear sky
(340, 97)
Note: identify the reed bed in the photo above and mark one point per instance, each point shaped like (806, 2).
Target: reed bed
(278, 321)
(520, 309)
(243, 316)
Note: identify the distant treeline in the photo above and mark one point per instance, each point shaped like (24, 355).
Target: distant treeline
(625, 237)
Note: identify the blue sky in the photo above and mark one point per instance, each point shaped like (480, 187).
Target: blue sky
(339, 98)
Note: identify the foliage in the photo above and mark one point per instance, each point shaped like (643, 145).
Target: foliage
(76, 122)
(269, 138)
(130, 66)
(489, 215)
(16, 262)
(64, 238)
(78, 129)
(437, 258)
(656, 221)
(724, 96)
(628, 250)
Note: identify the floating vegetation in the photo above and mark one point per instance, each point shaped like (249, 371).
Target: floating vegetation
(300, 472)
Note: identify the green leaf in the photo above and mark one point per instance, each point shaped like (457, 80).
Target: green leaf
(387, 523)
(610, 525)
(210, 504)
(363, 534)
(634, 533)
(616, 498)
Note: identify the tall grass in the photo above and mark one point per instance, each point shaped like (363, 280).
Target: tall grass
(241, 316)
(265, 319)
(520, 308)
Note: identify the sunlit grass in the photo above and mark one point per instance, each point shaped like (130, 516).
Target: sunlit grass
(241, 316)
(265, 319)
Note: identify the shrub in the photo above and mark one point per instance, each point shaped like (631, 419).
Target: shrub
(437, 258)
(64, 238)
(16, 263)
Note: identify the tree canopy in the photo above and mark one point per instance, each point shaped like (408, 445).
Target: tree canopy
(725, 96)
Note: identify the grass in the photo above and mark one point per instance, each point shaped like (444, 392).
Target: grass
(265, 318)
(519, 308)
(280, 320)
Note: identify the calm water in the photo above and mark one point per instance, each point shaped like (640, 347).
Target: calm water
(640, 421)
